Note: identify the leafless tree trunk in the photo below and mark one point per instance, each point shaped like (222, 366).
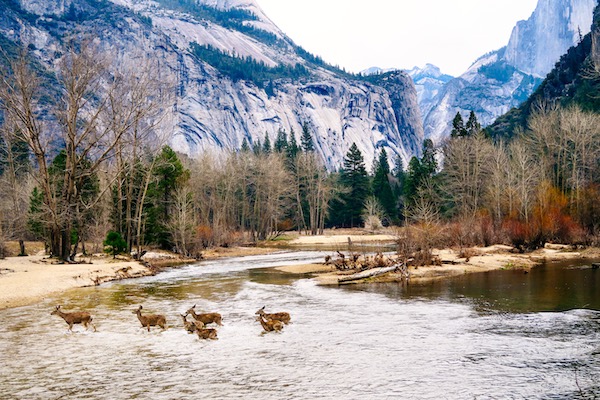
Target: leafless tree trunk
(183, 220)
(464, 168)
(95, 111)
(525, 177)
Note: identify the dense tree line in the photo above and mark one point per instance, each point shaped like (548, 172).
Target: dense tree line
(90, 161)
(247, 68)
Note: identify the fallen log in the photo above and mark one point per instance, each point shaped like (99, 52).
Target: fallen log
(370, 273)
(450, 262)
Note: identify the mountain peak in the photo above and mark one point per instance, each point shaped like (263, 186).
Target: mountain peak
(536, 44)
(429, 70)
(503, 79)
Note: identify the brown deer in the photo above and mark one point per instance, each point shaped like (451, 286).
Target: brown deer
(79, 317)
(205, 318)
(280, 316)
(270, 325)
(151, 319)
(207, 333)
(191, 327)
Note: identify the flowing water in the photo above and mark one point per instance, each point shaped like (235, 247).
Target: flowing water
(502, 335)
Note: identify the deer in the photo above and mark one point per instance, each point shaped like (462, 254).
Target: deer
(191, 327)
(205, 318)
(270, 325)
(280, 316)
(79, 317)
(151, 319)
(207, 333)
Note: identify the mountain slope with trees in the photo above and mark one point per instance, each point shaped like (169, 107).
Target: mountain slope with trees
(505, 78)
(573, 81)
(237, 76)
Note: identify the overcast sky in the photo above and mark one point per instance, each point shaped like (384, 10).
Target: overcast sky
(358, 34)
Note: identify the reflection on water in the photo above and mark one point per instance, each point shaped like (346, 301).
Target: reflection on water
(376, 342)
(558, 286)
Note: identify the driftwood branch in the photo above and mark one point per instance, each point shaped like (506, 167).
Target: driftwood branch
(370, 273)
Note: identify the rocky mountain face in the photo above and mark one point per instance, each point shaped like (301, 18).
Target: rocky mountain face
(505, 78)
(217, 107)
(575, 79)
(429, 81)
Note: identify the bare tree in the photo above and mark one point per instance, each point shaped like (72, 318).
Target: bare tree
(524, 178)
(183, 221)
(315, 187)
(15, 181)
(498, 197)
(465, 159)
(92, 116)
(150, 88)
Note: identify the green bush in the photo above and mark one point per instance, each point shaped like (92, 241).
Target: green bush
(114, 243)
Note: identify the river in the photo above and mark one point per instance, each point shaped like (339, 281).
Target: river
(500, 335)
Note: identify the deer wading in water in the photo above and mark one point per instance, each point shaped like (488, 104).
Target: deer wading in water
(191, 327)
(207, 333)
(270, 325)
(151, 319)
(79, 317)
(280, 316)
(206, 318)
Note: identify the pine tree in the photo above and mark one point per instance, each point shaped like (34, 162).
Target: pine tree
(306, 139)
(413, 179)
(419, 171)
(473, 125)
(281, 143)
(428, 161)
(399, 175)
(245, 146)
(382, 188)
(266, 148)
(458, 126)
(257, 147)
(170, 174)
(398, 171)
(348, 209)
(292, 149)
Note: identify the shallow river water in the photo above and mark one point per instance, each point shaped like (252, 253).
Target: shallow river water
(502, 335)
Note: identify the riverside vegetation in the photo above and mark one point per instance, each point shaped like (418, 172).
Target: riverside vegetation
(89, 162)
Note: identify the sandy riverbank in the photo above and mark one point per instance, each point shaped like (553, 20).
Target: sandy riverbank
(338, 238)
(482, 260)
(26, 280)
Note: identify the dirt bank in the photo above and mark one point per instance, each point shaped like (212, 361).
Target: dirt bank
(481, 259)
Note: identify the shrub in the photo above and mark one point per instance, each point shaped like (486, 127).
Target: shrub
(114, 243)
(205, 236)
(373, 223)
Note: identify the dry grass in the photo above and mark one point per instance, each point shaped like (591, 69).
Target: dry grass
(31, 248)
